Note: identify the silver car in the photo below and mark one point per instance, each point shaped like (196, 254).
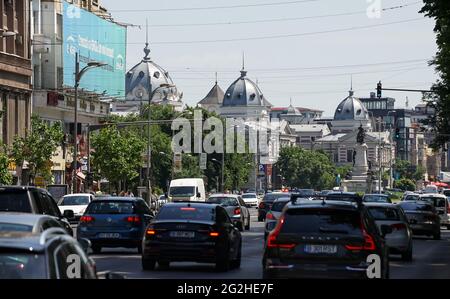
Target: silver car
(274, 214)
(400, 240)
(23, 222)
(235, 207)
(440, 202)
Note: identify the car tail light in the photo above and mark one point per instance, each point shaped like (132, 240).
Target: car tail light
(369, 242)
(150, 232)
(272, 239)
(237, 211)
(87, 219)
(214, 234)
(398, 226)
(133, 219)
(188, 209)
(270, 216)
(261, 205)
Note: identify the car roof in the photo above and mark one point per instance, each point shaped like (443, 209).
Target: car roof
(117, 198)
(417, 202)
(376, 194)
(192, 204)
(342, 193)
(323, 204)
(78, 194)
(22, 218)
(380, 204)
(18, 188)
(433, 195)
(287, 198)
(224, 195)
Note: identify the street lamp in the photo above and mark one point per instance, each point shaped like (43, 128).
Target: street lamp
(78, 75)
(222, 163)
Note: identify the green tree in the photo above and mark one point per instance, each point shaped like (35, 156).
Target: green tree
(5, 177)
(439, 10)
(38, 147)
(406, 171)
(405, 184)
(117, 155)
(306, 169)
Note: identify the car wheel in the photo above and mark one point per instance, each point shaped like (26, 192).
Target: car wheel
(148, 264)
(408, 255)
(437, 235)
(247, 227)
(96, 249)
(164, 264)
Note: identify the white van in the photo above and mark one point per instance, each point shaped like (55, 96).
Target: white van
(187, 190)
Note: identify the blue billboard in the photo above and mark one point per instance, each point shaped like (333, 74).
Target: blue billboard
(95, 39)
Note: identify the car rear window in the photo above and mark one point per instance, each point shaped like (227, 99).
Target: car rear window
(14, 201)
(279, 205)
(376, 198)
(273, 197)
(412, 197)
(417, 207)
(387, 214)
(437, 202)
(111, 207)
(249, 196)
(75, 201)
(224, 201)
(186, 213)
(342, 197)
(322, 221)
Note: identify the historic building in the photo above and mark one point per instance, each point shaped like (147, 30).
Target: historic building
(213, 100)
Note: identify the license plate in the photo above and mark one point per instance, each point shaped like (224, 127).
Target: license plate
(326, 249)
(188, 235)
(109, 235)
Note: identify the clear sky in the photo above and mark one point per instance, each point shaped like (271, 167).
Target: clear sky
(313, 64)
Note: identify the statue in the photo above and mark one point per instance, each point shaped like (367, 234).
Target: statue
(361, 135)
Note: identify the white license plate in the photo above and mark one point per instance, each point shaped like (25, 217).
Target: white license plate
(109, 236)
(326, 249)
(188, 235)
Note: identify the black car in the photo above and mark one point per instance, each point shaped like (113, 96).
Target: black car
(33, 200)
(24, 255)
(192, 232)
(266, 203)
(324, 239)
(423, 218)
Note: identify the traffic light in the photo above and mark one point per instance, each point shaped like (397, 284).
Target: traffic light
(379, 89)
(397, 134)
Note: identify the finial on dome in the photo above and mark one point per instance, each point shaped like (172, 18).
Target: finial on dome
(243, 71)
(146, 49)
(351, 92)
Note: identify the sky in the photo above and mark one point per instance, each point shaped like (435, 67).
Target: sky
(307, 50)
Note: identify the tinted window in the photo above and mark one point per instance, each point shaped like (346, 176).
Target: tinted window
(278, 205)
(22, 266)
(182, 191)
(14, 201)
(75, 201)
(111, 207)
(51, 205)
(224, 201)
(248, 195)
(186, 213)
(389, 214)
(271, 197)
(322, 221)
(437, 202)
(342, 197)
(12, 227)
(376, 198)
(416, 207)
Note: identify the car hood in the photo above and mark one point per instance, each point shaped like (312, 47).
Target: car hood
(75, 209)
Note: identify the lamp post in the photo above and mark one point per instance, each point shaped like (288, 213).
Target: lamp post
(78, 75)
(222, 163)
(391, 141)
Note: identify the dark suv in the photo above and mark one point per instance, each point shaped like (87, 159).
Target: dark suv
(34, 201)
(324, 239)
(266, 203)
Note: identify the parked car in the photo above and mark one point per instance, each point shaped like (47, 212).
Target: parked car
(115, 222)
(440, 203)
(324, 239)
(400, 240)
(23, 222)
(266, 203)
(250, 199)
(24, 255)
(382, 198)
(236, 208)
(33, 200)
(423, 218)
(196, 232)
(76, 203)
(274, 214)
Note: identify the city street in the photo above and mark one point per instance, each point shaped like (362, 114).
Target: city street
(431, 260)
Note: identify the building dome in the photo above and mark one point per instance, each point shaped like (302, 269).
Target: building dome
(148, 76)
(244, 92)
(351, 109)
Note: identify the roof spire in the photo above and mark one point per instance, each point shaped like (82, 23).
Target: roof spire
(243, 71)
(351, 92)
(146, 49)
(290, 101)
(216, 78)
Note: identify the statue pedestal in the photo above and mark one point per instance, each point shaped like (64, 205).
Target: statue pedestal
(360, 181)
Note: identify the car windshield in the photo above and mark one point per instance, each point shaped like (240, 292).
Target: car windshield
(14, 227)
(224, 201)
(111, 207)
(249, 196)
(437, 202)
(322, 221)
(14, 201)
(416, 207)
(376, 198)
(272, 196)
(186, 213)
(341, 197)
(382, 213)
(22, 266)
(279, 205)
(182, 191)
(75, 201)
(412, 197)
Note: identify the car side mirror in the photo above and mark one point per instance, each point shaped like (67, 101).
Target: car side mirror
(386, 230)
(85, 244)
(69, 214)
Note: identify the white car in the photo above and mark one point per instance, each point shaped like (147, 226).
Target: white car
(441, 204)
(75, 202)
(250, 199)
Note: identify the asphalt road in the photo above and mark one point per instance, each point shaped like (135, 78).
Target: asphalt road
(431, 259)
